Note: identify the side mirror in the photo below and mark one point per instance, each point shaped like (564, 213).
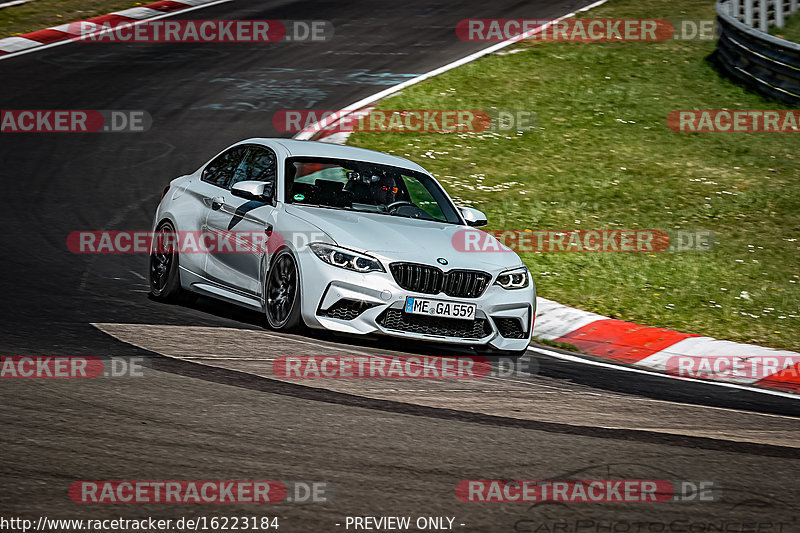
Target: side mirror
(252, 190)
(473, 217)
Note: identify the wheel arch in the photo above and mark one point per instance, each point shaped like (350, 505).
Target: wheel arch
(288, 248)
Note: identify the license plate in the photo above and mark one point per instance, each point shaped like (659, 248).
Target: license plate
(424, 306)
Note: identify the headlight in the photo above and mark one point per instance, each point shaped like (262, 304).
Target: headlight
(514, 279)
(347, 259)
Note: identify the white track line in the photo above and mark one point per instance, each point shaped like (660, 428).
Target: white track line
(303, 135)
(14, 3)
(590, 362)
(133, 23)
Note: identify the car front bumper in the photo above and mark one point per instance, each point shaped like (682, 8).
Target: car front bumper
(341, 300)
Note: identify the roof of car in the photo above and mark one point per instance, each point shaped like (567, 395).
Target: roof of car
(320, 149)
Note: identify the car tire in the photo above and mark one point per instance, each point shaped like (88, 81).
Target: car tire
(164, 277)
(282, 293)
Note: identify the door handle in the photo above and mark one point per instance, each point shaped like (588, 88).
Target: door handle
(217, 202)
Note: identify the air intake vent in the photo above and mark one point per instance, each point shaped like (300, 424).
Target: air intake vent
(428, 325)
(510, 328)
(346, 309)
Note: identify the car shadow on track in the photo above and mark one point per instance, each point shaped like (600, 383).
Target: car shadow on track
(535, 366)
(254, 319)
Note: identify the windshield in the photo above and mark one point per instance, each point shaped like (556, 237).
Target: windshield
(366, 187)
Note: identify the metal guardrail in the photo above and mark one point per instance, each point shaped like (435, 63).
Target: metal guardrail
(765, 63)
(762, 14)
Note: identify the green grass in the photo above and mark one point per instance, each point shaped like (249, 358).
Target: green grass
(560, 345)
(41, 14)
(791, 30)
(604, 158)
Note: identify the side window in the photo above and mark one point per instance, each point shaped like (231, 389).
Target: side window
(259, 165)
(221, 169)
(423, 198)
(311, 172)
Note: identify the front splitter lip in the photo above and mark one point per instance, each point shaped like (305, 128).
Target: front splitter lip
(367, 323)
(345, 326)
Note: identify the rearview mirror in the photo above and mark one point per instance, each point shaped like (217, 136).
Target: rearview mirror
(252, 190)
(473, 217)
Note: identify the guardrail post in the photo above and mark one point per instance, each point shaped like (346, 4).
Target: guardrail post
(779, 21)
(793, 7)
(748, 12)
(734, 9)
(763, 23)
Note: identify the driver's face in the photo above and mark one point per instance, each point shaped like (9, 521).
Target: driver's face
(385, 191)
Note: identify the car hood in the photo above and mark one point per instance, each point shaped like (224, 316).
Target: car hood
(405, 239)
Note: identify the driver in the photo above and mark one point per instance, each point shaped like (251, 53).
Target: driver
(384, 191)
(374, 186)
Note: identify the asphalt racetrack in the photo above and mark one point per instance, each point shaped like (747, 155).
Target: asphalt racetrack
(209, 407)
